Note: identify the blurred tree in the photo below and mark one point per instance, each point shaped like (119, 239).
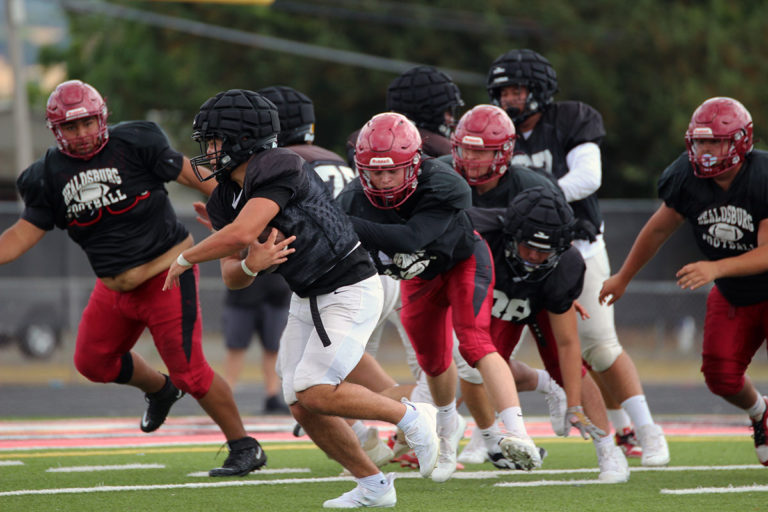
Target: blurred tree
(644, 64)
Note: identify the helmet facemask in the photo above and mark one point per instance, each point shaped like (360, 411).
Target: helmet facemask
(483, 128)
(391, 197)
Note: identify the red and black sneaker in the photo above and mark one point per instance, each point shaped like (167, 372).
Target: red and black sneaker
(627, 441)
(760, 428)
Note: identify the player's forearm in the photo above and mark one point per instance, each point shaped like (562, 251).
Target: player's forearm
(233, 275)
(750, 263)
(18, 239)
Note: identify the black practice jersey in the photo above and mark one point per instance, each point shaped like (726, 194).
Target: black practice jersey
(114, 205)
(520, 301)
(432, 144)
(562, 127)
(325, 257)
(432, 220)
(724, 222)
(328, 165)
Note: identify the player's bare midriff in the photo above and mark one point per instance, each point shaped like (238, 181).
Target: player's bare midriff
(134, 277)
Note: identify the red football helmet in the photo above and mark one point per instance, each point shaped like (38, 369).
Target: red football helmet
(723, 119)
(387, 142)
(73, 100)
(485, 127)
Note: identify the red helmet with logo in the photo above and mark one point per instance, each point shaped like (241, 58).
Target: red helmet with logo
(389, 141)
(723, 119)
(73, 100)
(485, 128)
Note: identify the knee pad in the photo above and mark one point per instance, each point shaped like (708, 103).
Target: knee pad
(601, 356)
(466, 372)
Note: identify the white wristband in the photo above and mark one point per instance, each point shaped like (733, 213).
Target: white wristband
(181, 260)
(246, 269)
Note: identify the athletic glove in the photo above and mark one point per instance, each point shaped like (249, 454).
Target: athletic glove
(408, 265)
(584, 230)
(575, 417)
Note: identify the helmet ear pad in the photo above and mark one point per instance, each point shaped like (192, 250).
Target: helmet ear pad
(540, 218)
(388, 142)
(244, 121)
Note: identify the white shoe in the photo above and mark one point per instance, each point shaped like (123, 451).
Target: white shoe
(376, 448)
(421, 436)
(612, 463)
(475, 451)
(655, 449)
(449, 445)
(557, 403)
(522, 452)
(362, 497)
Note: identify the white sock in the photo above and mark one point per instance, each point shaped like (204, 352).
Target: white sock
(376, 483)
(602, 441)
(638, 410)
(545, 380)
(447, 417)
(512, 417)
(409, 417)
(361, 431)
(758, 409)
(619, 419)
(490, 437)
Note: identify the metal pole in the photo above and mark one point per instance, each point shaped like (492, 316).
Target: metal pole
(15, 16)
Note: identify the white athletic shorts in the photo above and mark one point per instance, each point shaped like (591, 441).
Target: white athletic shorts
(347, 316)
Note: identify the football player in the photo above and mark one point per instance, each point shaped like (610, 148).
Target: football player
(720, 186)
(336, 298)
(105, 185)
(563, 139)
(409, 214)
(482, 148)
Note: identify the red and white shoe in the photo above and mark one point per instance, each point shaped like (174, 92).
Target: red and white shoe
(627, 441)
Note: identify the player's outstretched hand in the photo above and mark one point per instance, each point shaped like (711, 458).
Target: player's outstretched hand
(695, 275)
(580, 310)
(271, 252)
(202, 215)
(575, 417)
(612, 290)
(172, 279)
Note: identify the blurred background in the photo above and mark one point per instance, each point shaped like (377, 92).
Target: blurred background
(643, 64)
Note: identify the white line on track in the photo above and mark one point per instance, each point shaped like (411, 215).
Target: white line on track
(262, 471)
(114, 467)
(11, 463)
(717, 490)
(250, 481)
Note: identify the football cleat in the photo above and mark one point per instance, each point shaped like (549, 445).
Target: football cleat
(655, 449)
(449, 444)
(521, 451)
(558, 404)
(397, 445)
(475, 451)
(159, 404)
(760, 427)
(500, 462)
(627, 441)
(245, 455)
(421, 435)
(612, 463)
(362, 497)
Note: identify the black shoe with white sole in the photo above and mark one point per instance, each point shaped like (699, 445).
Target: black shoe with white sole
(160, 404)
(245, 455)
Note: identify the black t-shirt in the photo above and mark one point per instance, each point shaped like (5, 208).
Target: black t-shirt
(114, 205)
(562, 127)
(326, 257)
(724, 222)
(432, 220)
(520, 301)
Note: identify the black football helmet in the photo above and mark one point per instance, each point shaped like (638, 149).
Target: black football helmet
(541, 219)
(245, 122)
(526, 68)
(297, 114)
(424, 94)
